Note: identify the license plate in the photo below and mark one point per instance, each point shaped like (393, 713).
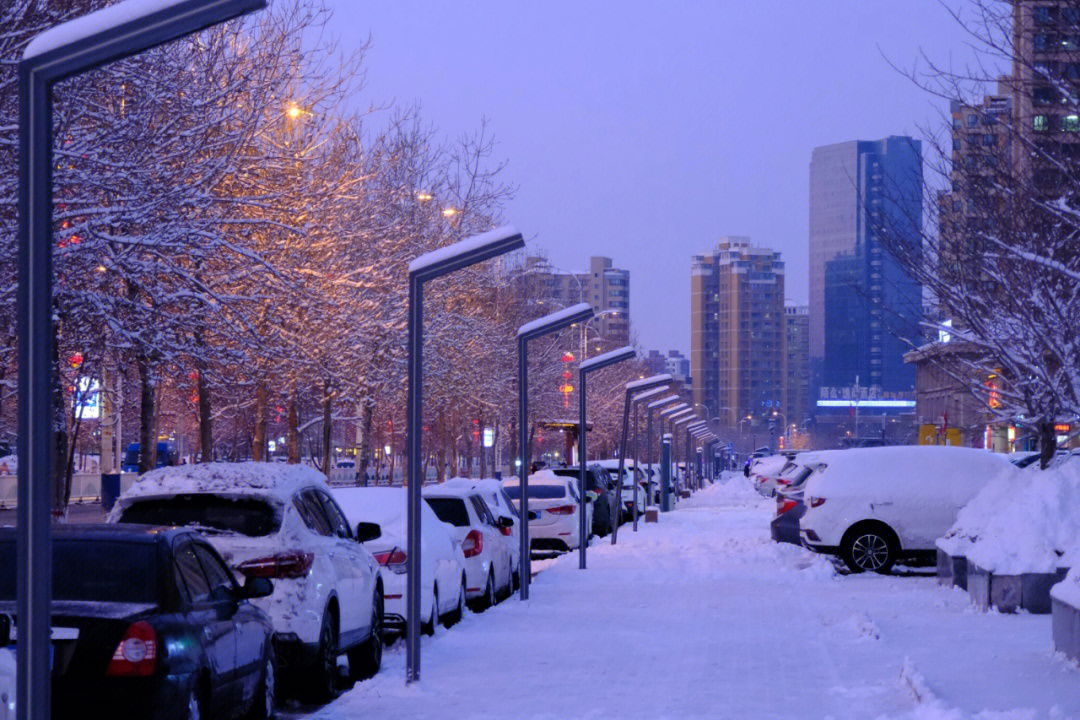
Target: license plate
(57, 633)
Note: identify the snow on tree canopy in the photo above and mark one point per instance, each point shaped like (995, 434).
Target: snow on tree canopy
(277, 479)
(608, 357)
(99, 21)
(665, 377)
(553, 318)
(468, 245)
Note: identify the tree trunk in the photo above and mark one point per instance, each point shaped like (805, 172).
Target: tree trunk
(363, 454)
(481, 448)
(206, 429)
(60, 477)
(1047, 443)
(327, 426)
(147, 436)
(514, 450)
(258, 443)
(293, 438)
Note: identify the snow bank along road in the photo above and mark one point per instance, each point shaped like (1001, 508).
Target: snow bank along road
(703, 616)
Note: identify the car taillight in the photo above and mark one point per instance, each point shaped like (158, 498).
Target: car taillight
(783, 505)
(562, 510)
(136, 655)
(816, 502)
(290, 564)
(780, 481)
(506, 531)
(473, 544)
(393, 560)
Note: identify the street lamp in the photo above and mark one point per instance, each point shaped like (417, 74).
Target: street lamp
(662, 402)
(72, 48)
(530, 331)
(585, 329)
(423, 269)
(587, 366)
(638, 399)
(636, 390)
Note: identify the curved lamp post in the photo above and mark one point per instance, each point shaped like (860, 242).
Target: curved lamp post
(638, 399)
(588, 366)
(423, 269)
(656, 405)
(70, 49)
(530, 331)
(640, 388)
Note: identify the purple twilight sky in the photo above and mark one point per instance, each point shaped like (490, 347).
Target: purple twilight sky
(646, 130)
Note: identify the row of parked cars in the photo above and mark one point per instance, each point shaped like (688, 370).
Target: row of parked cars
(211, 587)
(874, 507)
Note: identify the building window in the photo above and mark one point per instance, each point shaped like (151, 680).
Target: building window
(1043, 96)
(1041, 42)
(972, 120)
(1070, 123)
(989, 140)
(1044, 14)
(1041, 123)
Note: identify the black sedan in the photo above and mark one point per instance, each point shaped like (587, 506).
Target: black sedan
(150, 623)
(597, 480)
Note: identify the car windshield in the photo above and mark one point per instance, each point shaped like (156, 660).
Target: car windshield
(540, 492)
(590, 477)
(93, 571)
(247, 516)
(451, 511)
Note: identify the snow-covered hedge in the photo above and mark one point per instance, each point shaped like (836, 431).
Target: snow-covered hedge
(1026, 523)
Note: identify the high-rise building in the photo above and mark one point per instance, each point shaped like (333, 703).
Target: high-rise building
(604, 287)
(864, 308)
(672, 362)
(737, 331)
(797, 394)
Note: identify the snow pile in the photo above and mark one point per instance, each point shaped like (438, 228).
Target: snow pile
(738, 491)
(1068, 590)
(278, 479)
(1023, 523)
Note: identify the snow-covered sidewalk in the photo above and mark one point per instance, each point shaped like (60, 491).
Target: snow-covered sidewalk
(702, 616)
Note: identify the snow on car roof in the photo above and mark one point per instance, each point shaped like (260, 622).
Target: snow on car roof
(449, 489)
(911, 471)
(276, 479)
(541, 477)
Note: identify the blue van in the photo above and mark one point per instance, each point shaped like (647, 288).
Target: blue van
(166, 456)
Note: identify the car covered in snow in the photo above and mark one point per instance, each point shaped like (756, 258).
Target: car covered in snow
(501, 507)
(765, 471)
(149, 623)
(489, 561)
(790, 484)
(554, 511)
(280, 522)
(442, 564)
(875, 506)
(626, 487)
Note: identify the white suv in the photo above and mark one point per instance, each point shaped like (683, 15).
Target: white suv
(553, 511)
(280, 522)
(489, 564)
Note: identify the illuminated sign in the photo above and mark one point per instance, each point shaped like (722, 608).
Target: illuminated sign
(867, 403)
(489, 437)
(87, 400)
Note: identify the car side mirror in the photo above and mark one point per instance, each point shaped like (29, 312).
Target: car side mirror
(366, 531)
(257, 587)
(504, 522)
(5, 631)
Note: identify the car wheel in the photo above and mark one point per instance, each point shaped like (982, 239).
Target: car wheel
(323, 680)
(428, 628)
(366, 658)
(194, 705)
(488, 598)
(453, 617)
(262, 704)
(869, 548)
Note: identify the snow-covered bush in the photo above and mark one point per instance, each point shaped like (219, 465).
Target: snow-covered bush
(1027, 523)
